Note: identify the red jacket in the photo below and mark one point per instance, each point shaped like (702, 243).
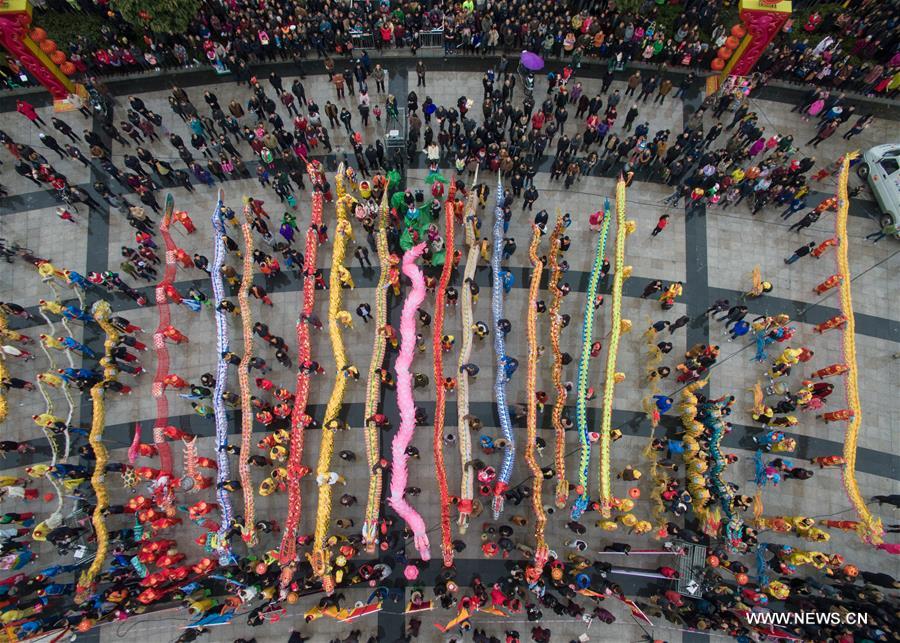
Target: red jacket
(26, 109)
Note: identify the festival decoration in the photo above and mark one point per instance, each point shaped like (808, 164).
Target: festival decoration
(299, 418)
(800, 526)
(191, 460)
(101, 312)
(871, 529)
(373, 384)
(623, 229)
(249, 530)
(541, 551)
(158, 389)
(467, 479)
(556, 295)
(440, 388)
(463, 616)
(48, 380)
(702, 472)
(31, 53)
(344, 615)
(503, 363)
(44, 380)
(762, 21)
(587, 337)
(400, 472)
(4, 373)
(223, 466)
(717, 467)
(695, 463)
(320, 558)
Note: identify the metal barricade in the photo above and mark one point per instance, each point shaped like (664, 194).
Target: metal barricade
(362, 40)
(433, 39)
(690, 569)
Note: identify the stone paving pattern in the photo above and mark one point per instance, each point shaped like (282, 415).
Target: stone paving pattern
(735, 243)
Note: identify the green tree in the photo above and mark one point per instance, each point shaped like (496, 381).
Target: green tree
(629, 6)
(162, 16)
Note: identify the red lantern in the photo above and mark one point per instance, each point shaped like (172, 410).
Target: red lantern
(717, 64)
(725, 53)
(742, 579)
(58, 57)
(38, 34)
(712, 560)
(634, 492)
(67, 68)
(48, 46)
(738, 31)
(732, 42)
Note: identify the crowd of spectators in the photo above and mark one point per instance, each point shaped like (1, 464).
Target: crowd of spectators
(852, 48)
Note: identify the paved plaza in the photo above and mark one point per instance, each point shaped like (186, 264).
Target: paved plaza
(713, 252)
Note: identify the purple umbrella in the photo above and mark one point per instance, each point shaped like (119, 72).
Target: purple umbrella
(531, 62)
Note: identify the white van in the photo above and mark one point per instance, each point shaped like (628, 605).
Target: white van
(881, 167)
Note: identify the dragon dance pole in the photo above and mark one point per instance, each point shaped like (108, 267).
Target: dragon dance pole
(101, 312)
(623, 229)
(562, 485)
(373, 384)
(249, 530)
(537, 476)
(223, 466)
(404, 435)
(467, 480)
(584, 367)
(321, 555)
(871, 530)
(440, 390)
(299, 418)
(509, 449)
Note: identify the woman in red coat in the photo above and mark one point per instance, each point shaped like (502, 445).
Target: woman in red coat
(27, 110)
